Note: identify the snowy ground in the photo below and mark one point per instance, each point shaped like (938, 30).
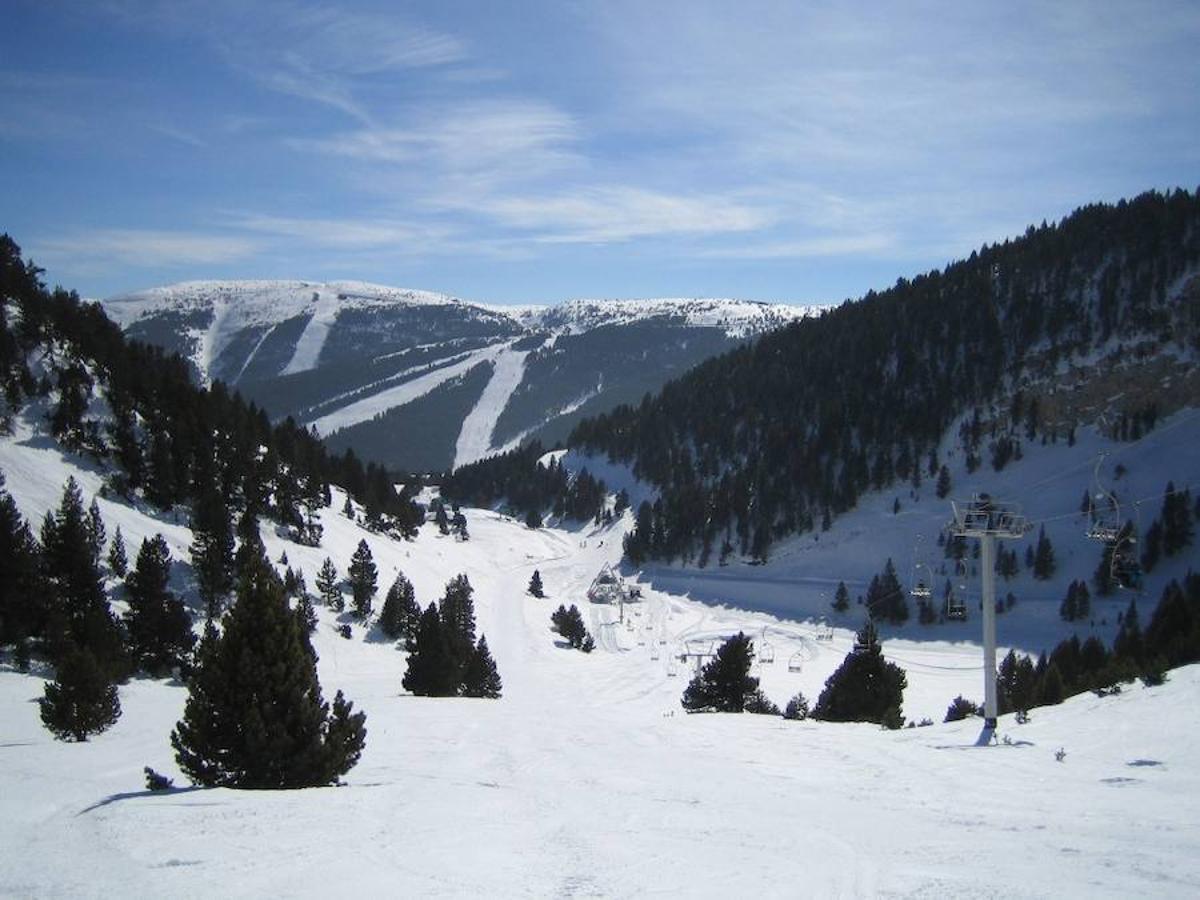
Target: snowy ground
(586, 779)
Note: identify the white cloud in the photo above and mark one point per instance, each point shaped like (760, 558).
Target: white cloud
(334, 233)
(143, 248)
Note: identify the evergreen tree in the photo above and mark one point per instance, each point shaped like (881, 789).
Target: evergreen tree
(79, 610)
(400, 614)
(24, 606)
(363, 580)
(1176, 520)
(1043, 557)
(118, 561)
(865, 687)
(82, 700)
(96, 532)
(535, 585)
(458, 620)
(942, 488)
(160, 629)
(569, 623)
(841, 598)
(960, 708)
(440, 518)
(459, 525)
(1052, 689)
(1128, 644)
(254, 716)
(797, 708)
(481, 678)
(328, 587)
(212, 548)
(432, 671)
(725, 683)
(306, 613)
(1152, 546)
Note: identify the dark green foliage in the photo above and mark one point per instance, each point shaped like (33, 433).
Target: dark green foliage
(760, 704)
(1043, 557)
(432, 671)
(400, 614)
(458, 621)
(79, 613)
(118, 561)
(725, 683)
(569, 623)
(535, 585)
(942, 488)
(24, 599)
(960, 708)
(363, 580)
(1017, 683)
(533, 519)
(458, 524)
(797, 708)
(160, 629)
(1077, 604)
(886, 599)
(841, 598)
(1152, 546)
(481, 678)
(254, 716)
(82, 700)
(212, 548)
(306, 613)
(328, 586)
(525, 485)
(865, 687)
(1052, 690)
(1176, 520)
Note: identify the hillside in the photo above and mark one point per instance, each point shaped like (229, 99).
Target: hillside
(371, 367)
(1093, 320)
(586, 776)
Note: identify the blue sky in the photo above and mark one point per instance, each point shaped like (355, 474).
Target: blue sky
(534, 151)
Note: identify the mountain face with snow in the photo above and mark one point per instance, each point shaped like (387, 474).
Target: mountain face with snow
(424, 381)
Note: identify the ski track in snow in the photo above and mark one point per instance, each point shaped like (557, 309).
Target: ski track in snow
(312, 340)
(253, 353)
(367, 408)
(475, 439)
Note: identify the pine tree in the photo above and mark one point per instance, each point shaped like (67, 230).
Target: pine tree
(1176, 520)
(96, 532)
(458, 525)
(254, 716)
(1043, 557)
(400, 613)
(431, 671)
(725, 683)
(328, 587)
(458, 620)
(960, 708)
(569, 623)
(942, 489)
(481, 678)
(535, 585)
(212, 549)
(306, 613)
(160, 629)
(363, 580)
(797, 707)
(1128, 644)
(80, 613)
(865, 687)
(841, 598)
(82, 700)
(118, 561)
(440, 518)
(24, 601)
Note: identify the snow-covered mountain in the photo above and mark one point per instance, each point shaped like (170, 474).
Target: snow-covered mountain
(373, 366)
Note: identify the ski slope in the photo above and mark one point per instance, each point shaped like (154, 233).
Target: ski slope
(586, 778)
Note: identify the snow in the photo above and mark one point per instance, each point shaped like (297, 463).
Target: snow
(475, 439)
(586, 778)
(375, 404)
(312, 340)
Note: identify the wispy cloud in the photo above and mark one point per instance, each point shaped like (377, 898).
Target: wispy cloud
(336, 233)
(143, 248)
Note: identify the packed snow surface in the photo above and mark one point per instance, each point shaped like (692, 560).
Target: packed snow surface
(587, 778)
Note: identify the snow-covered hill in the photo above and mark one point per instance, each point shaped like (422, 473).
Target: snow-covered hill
(586, 778)
(377, 364)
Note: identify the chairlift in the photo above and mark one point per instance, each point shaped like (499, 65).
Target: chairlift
(766, 653)
(956, 608)
(654, 651)
(921, 591)
(1119, 538)
(824, 630)
(796, 662)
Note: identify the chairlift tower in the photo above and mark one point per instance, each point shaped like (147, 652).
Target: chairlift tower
(988, 519)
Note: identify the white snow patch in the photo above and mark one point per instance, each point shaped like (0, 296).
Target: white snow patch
(475, 439)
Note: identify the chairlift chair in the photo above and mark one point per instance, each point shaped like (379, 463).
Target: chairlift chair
(766, 653)
(796, 662)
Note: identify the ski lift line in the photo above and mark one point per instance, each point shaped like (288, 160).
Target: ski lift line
(1134, 503)
(1122, 449)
